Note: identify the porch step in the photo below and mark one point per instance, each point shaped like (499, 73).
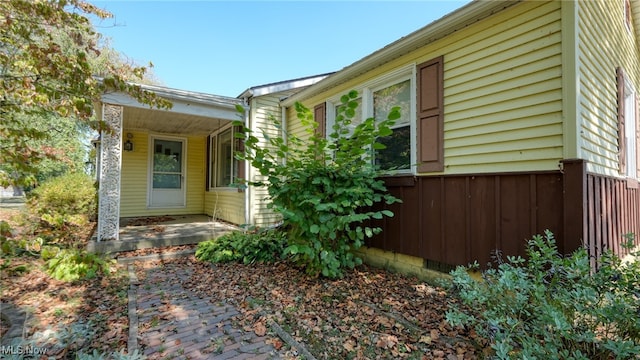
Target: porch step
(160, 256)
(156, 236)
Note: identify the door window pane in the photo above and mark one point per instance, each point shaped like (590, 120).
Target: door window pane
(167, 164)
(166, 181)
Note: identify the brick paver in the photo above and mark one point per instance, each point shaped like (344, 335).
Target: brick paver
(175, 323)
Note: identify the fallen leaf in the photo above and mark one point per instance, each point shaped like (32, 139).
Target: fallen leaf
(260, 329)
(425, 339)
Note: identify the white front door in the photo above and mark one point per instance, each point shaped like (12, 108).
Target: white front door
(167, 177)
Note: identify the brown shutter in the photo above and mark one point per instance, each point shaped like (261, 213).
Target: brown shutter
(320, 116)
(622, 151)
(239, 147)
(208, 165)
(430, 109)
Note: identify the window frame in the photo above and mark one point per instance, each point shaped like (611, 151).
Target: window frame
(631, 140)
(366, 91)
(213, 162)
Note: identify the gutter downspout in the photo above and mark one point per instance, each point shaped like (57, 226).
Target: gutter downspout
(283, 124)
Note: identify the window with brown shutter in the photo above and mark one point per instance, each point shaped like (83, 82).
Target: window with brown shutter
(430, 115)
(320, 116)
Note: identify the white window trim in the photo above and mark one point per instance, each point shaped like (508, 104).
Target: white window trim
(630, 117)
(213, 151)
(365, 92)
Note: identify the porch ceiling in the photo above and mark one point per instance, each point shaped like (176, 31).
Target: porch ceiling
(170, 122)
(192, 113)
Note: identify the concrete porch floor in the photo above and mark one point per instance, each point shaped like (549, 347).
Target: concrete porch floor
(160, 231)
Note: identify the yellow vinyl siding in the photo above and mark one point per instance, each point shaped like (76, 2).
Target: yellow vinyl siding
(604, 44)
(227, 205)
(502, 91)
(135, 177)
(264, 111)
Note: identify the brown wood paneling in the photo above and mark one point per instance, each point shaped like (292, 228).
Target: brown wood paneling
(456, 220)
(611, 214)
(482, 222)
(432, 218)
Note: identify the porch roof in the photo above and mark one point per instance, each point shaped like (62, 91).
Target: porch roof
(193, 113)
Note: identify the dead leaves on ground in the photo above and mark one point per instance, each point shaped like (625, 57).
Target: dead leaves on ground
(369, 314)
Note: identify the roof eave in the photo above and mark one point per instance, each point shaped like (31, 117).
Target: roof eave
(452, 22)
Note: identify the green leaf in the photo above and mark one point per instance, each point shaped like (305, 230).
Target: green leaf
(395, 113)
(314, 229)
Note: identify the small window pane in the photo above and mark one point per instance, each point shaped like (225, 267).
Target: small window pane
(225, 158)
(166, 181)
(397, 155)
(395, 95)
(167, 156)
(355, 120)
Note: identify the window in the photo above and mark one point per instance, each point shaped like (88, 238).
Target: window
(397, 155)
(417, 142)
(223, 168)
(376, 100)
(628, 127)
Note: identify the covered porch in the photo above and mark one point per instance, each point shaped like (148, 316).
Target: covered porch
(155, 162)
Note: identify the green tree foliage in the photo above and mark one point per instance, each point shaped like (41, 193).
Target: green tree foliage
(327, 189)
(46, 69)
(553, 307)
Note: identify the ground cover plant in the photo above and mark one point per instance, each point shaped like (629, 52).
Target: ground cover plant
(327, 189)
(75, 303)
(553, 306)
(245, 247)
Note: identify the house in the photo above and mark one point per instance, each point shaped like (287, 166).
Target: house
(518, 116)
(181, 161)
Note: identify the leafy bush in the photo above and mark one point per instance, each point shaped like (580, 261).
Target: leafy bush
(74, 264)
(68, 199)
(550, 306)
(248, 248)
(326, 189)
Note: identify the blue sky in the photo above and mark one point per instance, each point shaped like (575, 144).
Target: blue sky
(225, 47)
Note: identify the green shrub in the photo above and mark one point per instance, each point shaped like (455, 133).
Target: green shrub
(553, 307)
(248, 248)
(74, 264)
(326, 190)
(68, 199)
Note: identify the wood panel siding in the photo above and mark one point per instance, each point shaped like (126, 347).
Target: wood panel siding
(604, 44)
(613, 211)
(458, 219)
(450, 220)
(135, 178)
(502, 91)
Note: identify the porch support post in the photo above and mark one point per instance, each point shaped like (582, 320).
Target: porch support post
(110, 166)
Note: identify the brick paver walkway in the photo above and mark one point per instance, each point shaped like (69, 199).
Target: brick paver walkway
(175, 323)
